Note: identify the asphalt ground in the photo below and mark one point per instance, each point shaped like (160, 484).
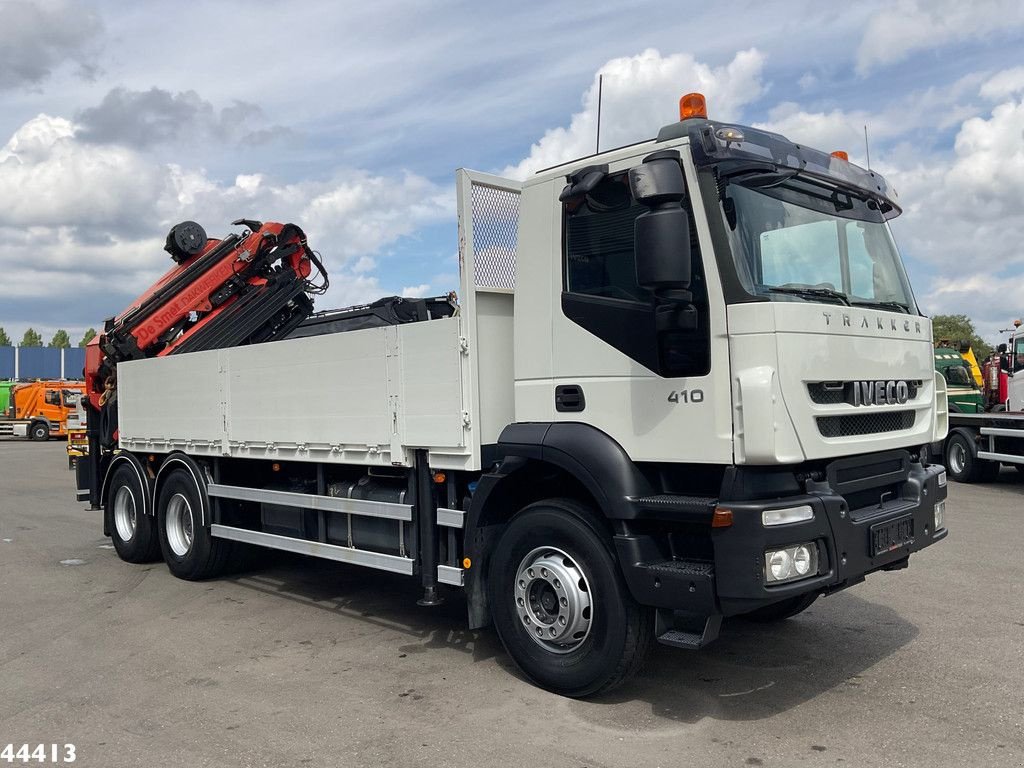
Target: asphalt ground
(306, 663)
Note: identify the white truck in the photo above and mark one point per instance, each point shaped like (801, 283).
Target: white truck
(686, 379)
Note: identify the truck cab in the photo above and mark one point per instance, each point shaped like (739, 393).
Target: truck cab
(963, 394)
(727, 310)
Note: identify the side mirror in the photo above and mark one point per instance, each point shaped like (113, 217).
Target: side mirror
(661, 234)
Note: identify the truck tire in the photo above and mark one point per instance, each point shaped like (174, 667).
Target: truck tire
(782, 610)
(132, 531)
(962, 462)
(560, 605)
(39, 430)
(188, 548)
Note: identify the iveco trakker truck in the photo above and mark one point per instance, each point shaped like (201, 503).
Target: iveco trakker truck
(681, 380)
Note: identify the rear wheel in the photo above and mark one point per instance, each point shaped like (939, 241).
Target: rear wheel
(132, 531)
(187, 546)
(559, 604)
(39, 430)
(782, 610)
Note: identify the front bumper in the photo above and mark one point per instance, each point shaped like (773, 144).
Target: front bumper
(730, 580)
(843, 537)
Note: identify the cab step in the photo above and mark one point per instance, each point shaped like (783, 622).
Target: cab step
(690, 633)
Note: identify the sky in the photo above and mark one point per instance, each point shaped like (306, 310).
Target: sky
(119, 119)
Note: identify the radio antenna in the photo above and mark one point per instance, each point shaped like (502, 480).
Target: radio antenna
(867, 151)
(600, 85)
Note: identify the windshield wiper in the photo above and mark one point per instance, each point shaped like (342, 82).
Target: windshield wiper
(826, 293)
(882, 305)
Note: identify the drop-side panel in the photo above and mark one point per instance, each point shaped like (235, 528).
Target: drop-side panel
(431, 384)
(320, 390)
(176, 398)
(360, 397)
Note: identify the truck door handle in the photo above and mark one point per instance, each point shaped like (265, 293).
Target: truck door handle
(569, 398)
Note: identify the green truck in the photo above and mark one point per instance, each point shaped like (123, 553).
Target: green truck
(964, 395)
(5, 394)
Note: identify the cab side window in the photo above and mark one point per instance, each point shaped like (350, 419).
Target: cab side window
(601, 293)
(52, 397)
(599, 244)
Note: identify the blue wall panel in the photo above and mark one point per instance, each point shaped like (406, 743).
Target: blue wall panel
(74, 362)
(6, 362)
(41, 363)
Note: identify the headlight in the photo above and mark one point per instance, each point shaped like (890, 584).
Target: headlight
(791, 563)
(942, 479)
(940, 513)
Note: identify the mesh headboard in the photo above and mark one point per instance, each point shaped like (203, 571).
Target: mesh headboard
(494, 203)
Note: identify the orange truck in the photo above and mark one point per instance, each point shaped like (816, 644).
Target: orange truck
(39, 410)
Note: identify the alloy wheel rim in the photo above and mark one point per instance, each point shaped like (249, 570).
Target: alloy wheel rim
(180, 525)
(957, 458)
(125, 519)
(553, 600)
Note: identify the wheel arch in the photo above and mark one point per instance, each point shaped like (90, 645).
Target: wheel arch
(540, 461)
(140, 471)
(180, 460)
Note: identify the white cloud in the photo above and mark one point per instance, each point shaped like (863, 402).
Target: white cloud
(1003, 84)
(992, 302)
(912, 25)
(416, 291)
(93, 217)
(640, 94)
(837, 129)
(47, 178)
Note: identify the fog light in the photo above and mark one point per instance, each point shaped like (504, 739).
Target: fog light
(940, 513)
(942, 479)
(781, 565)
(802, 560)
(790, 563)
(799, 514)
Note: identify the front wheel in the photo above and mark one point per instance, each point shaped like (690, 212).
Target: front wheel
(39, 431)
(963, 464)
(559, 604)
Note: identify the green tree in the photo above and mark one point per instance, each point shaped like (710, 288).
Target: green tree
(5, 340)
(31, 339)
(60, 340)
(958, 330)
(89, 336)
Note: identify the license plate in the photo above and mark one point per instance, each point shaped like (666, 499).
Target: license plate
(885, 537)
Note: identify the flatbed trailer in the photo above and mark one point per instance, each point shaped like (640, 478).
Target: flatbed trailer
(978, 444)
(612, 439)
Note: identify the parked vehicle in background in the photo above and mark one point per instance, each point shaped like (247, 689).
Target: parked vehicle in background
(39, 410)
(979, 444)
(684, 379)
(963, 395)
(78, 440)
(5, 395)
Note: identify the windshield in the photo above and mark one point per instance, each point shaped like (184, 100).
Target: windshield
(797, 240)
(957, 375)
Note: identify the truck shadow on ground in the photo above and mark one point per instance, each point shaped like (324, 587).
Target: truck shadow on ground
(752, 671)
(378, 598)
(755, 671)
